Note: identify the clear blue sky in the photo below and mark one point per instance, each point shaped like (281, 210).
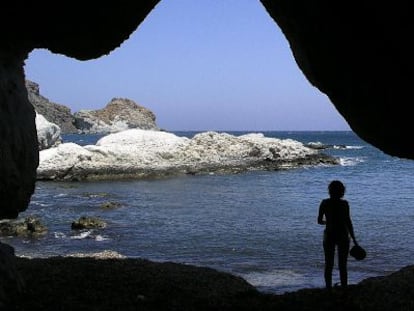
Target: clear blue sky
(198, 65)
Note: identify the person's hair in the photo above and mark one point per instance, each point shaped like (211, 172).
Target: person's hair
(336, 189)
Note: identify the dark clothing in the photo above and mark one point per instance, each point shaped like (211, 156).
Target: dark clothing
(337, 218)
(336, 235)
(329, 249)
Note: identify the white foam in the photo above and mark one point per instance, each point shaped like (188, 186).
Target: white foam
(351, 161)
(100, 238)
(275, 278)
(34, 202)
(60, 235)
(61, 195)
(354, 147)
(81, 235)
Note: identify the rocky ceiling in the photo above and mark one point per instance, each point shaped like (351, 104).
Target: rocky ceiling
(359, 54)
(356, 52)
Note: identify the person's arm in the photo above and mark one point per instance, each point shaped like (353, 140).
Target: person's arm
(350, 225)
(321, 221)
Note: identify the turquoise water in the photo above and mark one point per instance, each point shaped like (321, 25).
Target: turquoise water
(259, 225)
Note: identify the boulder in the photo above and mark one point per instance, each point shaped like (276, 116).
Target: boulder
(29, 227)
(85, 222)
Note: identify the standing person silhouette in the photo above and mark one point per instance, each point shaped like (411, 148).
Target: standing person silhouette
(334, 213)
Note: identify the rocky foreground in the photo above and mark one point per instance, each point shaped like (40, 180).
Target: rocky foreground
(137, 153)
(135, 284)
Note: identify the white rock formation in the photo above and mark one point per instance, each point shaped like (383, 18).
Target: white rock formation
(48, 133)
(142, 153)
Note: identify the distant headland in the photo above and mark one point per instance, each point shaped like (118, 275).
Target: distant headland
(119, 114)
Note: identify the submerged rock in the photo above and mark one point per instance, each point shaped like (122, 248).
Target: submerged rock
(110, 205)
(142, 153)
(29, 227)
(85, 222)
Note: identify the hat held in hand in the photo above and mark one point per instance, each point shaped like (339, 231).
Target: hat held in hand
(358, 252)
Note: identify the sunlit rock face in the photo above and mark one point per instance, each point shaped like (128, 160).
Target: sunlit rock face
(360, 56)
(48, 133)
(118, 115)
(137, 153)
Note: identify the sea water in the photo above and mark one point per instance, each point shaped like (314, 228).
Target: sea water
(260, 225)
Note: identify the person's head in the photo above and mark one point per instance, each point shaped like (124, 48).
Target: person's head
(336, 189)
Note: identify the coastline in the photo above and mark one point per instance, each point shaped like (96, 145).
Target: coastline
(393, 293)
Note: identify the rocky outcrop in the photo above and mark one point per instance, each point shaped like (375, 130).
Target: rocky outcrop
(53, 112)
(141, 153)
(48, 133)
(31, 227)
(118, 115)
(86, 222)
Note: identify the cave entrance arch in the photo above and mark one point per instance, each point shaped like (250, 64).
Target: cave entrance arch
(222, 65)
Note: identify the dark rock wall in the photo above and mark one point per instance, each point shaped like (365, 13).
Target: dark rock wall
(19, 154)
(358, 54)
(79, 29)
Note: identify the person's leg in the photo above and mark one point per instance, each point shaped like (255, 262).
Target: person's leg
(343, 250)
(329, 250)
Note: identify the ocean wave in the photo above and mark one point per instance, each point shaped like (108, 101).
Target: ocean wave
(60, 195)
(85, 234)
(351, 161)
(275, 278)
(100, 238)
(89, 234)
(352, 147)
(320, 145)
(37, 203)
(59, 235)
(81, 235)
